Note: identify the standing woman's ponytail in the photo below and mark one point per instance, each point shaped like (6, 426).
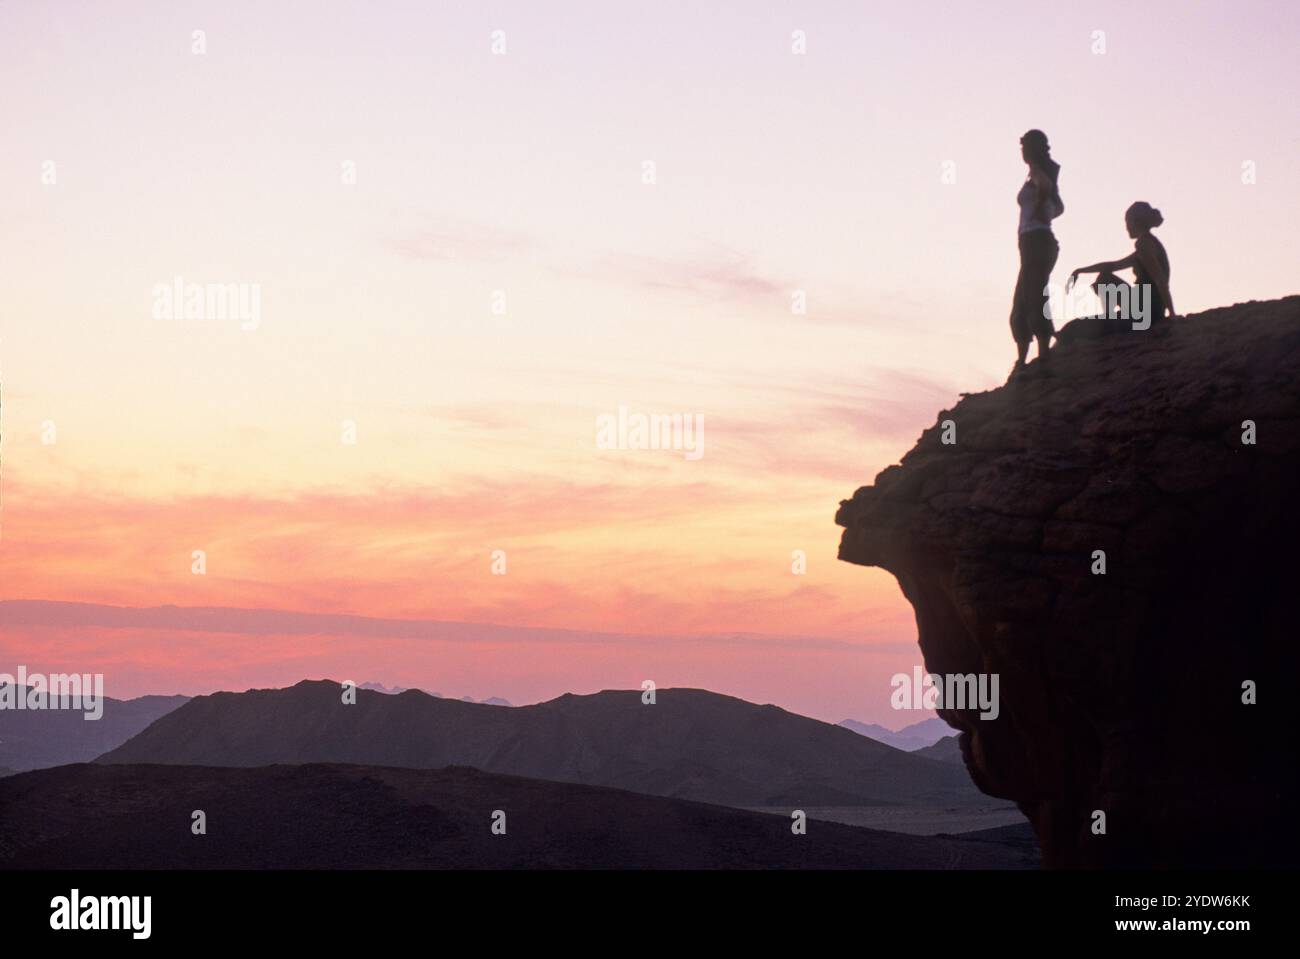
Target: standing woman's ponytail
(1038, 154)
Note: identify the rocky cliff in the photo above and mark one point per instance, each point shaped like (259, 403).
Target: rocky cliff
(1120, 543)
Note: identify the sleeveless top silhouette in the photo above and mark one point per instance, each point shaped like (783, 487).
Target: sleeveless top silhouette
(1028, 221)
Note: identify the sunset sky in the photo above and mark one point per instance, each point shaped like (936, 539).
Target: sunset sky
(131, 441)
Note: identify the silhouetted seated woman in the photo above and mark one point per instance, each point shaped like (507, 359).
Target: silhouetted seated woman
(1149, 296)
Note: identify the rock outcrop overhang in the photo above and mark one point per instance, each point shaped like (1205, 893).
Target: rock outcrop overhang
(1172, 455)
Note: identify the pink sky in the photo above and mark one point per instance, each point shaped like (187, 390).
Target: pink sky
(523, 173)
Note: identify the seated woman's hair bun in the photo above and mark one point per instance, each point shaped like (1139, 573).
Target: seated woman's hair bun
(1145, 214)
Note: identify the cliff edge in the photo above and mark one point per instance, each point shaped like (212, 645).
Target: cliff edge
(1120, 543)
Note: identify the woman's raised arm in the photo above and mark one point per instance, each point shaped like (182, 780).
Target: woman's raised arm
(1108, 266)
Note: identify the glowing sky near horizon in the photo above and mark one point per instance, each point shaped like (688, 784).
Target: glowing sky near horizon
(522, 173)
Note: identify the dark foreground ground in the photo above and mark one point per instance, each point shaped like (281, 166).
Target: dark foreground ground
(323, 816)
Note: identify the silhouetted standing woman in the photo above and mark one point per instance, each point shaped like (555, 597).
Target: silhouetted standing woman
(1040, 203)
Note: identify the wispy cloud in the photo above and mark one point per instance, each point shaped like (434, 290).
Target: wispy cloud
(724, 275)
(442, 239)
(54, 614)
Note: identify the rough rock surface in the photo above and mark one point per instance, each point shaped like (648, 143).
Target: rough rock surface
(1120, 691)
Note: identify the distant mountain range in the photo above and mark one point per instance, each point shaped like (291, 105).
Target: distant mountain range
(909, 738)
(352, 817)
(396, 690)
(690, 744)
(36, 738)
(947, 750)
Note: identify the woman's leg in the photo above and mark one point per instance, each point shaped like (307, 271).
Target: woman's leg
(1107, 287)
(1020, 328)
(1046, 251)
